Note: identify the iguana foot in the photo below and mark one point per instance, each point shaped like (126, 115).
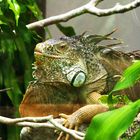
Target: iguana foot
(82, 115)
(68, 123)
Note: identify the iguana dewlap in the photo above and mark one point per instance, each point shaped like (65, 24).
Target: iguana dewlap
(72, 72)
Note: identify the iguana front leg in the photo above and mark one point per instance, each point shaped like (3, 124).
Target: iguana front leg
(93, 98)
(84, 114)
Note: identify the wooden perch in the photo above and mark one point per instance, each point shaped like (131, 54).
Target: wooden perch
(43, 122)
(89, 8)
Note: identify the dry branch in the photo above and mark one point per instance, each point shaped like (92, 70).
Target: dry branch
(87, 8)
(45, 122)
(6, 89)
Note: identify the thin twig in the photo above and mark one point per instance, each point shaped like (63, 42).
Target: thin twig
(6, 89)
(87, 8)
(10, 121)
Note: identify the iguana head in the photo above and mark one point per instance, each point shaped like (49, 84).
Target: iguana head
(59, 60)
(71, 60)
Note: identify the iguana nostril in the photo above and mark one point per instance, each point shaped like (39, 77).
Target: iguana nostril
(76, 79)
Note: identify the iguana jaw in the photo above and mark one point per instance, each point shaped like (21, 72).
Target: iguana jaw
(74, 75)
(39, 50)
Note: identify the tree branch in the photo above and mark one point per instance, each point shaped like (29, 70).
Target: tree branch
(6, 89)
(46, 122)
(88, 8)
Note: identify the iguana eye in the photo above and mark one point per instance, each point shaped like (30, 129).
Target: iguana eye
(61, 48)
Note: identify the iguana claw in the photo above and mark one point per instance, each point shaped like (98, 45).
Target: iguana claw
(80, 116)
(68, 124)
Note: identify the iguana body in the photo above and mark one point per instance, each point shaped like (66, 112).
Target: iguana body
(71, 73)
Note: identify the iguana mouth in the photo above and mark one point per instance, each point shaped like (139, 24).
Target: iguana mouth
(55, 56)
(37, 52)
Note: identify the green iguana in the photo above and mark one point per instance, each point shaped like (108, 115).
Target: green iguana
(71, 75)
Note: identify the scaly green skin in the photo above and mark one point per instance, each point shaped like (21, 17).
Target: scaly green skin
(56, 89)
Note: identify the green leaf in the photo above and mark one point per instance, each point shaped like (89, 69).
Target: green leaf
(1, 22)
(14, 6)
(130, 76)
(137, 137)
(25, 60)
(1, 77)
(11, 81)
(35, 10)
(2, 17)
(68, 31)
(1, 13)
(115, 99)
(112, 124)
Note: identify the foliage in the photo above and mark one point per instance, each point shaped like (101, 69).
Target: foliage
(14, 6)
(16, 53)
(130, 76)
(112, 124)
(137, 136)
(67, 31)
(16, 46)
